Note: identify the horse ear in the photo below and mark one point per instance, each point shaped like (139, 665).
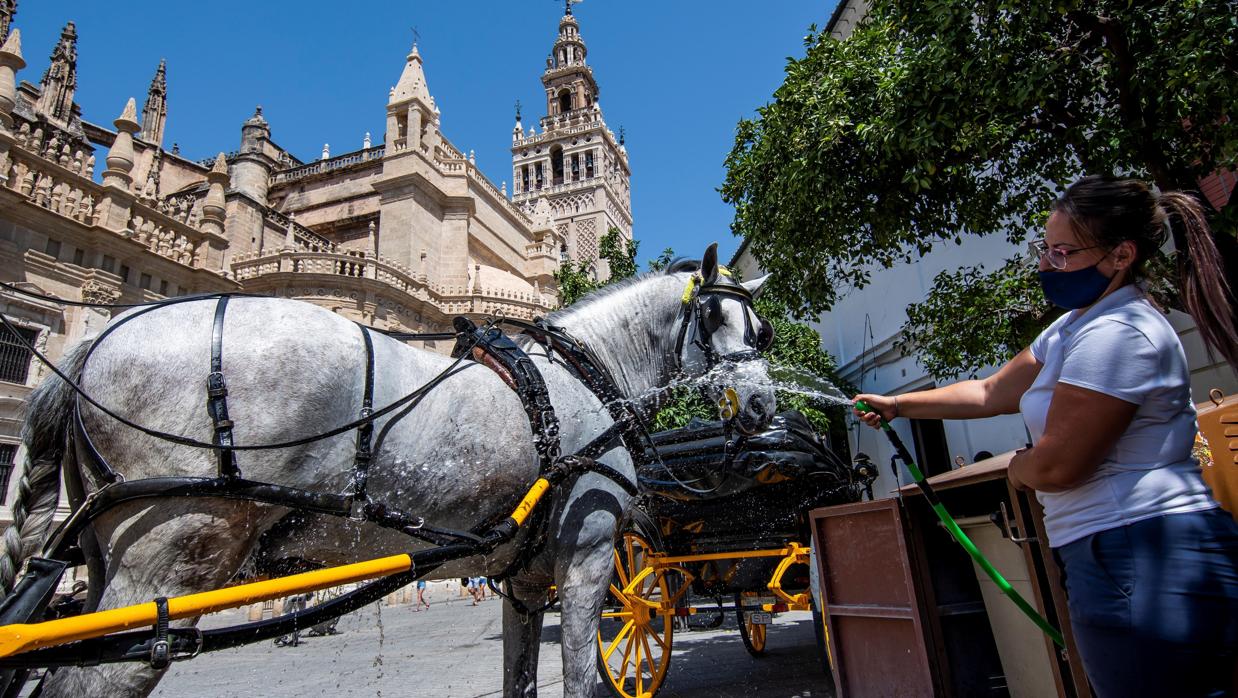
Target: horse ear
(754, 286)
(709, 264)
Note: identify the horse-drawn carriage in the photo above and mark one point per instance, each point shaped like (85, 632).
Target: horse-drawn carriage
(331, 441)
(722, 523)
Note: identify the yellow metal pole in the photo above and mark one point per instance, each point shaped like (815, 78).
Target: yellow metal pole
(530, 500)
(23, 637)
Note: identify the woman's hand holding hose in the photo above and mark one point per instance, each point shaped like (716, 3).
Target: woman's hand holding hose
(882, 406)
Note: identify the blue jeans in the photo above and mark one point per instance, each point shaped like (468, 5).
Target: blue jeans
(1154, 605)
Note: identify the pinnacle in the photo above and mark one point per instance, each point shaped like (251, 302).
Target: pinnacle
(13, 44)
(221, 164)
(131, 111)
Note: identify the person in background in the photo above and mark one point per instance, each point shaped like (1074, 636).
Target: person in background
(1150, 563)
(421, 595)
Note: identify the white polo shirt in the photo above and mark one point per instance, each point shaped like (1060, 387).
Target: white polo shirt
(1125, 348)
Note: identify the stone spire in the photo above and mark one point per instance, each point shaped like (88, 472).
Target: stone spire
(412, 84)
(411, 112)
(155, 111)
(120, 157)
(60, 81)
(8, 10)
(213, 206)
(10, 62)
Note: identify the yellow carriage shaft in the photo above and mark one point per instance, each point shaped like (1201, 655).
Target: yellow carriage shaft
(23, 637)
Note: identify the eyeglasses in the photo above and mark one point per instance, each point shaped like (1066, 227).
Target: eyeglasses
(1056, 256)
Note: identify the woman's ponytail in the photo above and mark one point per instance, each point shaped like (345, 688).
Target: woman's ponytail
(1206, 291)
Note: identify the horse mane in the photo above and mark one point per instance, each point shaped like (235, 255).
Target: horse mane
(597, 296)
(630, 326)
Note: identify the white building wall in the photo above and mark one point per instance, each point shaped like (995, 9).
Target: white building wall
(861, 329)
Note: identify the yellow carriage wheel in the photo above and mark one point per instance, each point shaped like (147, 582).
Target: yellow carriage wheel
(634, 639)
(753, 634)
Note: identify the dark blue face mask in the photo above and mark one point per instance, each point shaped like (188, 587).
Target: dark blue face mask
(1074, 289)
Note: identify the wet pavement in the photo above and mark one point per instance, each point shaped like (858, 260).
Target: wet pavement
(455, 649)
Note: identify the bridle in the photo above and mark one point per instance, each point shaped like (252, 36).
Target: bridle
(701, 311)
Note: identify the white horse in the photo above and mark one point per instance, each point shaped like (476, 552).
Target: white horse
(464, 454)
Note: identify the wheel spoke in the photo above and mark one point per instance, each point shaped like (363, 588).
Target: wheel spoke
(614, 591)
(623, 668)
(629, 544)
(623, 632)
(619, 570)
(657, 637)
(636, 670)
(653, 670)
(617, 614)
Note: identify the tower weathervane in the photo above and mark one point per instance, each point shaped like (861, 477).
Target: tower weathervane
(416, 35)
(517, 110)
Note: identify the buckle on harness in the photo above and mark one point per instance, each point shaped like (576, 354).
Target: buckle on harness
(160, 651)
(215, 385)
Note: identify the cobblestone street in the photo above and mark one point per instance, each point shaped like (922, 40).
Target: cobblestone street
(455, 649)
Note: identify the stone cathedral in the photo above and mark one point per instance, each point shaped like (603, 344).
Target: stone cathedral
(403, 234)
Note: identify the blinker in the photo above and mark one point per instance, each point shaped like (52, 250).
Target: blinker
(711, 314)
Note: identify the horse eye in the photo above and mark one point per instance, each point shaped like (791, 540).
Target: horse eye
(765, 335)
(711, 315)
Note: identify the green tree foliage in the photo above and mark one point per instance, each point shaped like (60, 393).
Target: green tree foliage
(577, 279)
(939, 119)
(574, 279)
(972, 319)
(619, 253)
(663, 261)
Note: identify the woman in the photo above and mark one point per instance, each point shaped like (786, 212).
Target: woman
(1150, 562)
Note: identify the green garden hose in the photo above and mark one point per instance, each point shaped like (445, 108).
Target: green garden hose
(959, 536)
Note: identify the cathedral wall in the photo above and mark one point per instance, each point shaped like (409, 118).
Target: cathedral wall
(321, 200)
(494, 228)
(243, 227)
(176, 174)
(411, 224)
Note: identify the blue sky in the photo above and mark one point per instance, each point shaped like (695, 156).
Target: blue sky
(676, 75)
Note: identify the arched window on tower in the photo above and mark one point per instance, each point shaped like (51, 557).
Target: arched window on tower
(565, 101)
(556, 165)
(588, 165)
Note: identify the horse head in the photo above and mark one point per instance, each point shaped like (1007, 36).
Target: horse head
(720, 340)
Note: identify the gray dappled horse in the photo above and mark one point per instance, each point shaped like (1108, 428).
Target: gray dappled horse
(464, 455)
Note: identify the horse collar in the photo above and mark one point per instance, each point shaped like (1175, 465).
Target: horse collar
(493, 349)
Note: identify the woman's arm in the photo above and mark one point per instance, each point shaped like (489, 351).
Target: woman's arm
(997, 394)
(1080, 430)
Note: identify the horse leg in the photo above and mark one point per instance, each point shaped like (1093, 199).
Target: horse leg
(582, 587)
(522, 636)
(165, 548)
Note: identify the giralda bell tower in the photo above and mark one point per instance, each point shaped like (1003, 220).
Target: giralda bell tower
(573, 168)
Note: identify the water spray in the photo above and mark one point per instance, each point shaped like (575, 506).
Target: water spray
(957, 533)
